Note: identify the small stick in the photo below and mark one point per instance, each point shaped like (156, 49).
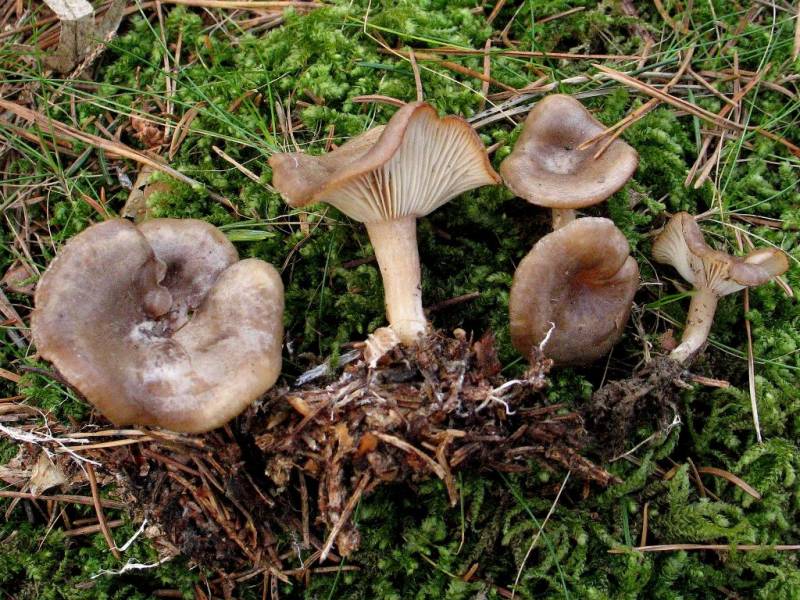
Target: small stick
(487, 70)
(403, 445)
(238, 166)
(715, 547)
(246, 4)
(85, 500)
(417, 78)
(796, 47)
(351, 504)
(495, 11)
(88, 529)
(112, 444)
(529, 54)
(455, 67)
(101, 518)
(453, 301)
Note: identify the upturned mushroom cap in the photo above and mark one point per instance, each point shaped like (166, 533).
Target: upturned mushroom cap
(97, 320)
(546, 168)
(410, 167)
(581, 280)
(681, 245)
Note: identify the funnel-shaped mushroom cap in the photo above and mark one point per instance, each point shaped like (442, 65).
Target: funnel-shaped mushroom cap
(580, 280)
(546, 168)
(681, 245)
(411, 166)
(97, 319)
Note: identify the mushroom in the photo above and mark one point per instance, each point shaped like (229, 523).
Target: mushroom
(105, 317)
(712, 273)
(548, 169)
(386, 178)
(574, 289)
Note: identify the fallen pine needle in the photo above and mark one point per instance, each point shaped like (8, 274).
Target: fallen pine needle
(539, 533)
(101, 518)
(737, 481)
(714, 547)
(85, 500)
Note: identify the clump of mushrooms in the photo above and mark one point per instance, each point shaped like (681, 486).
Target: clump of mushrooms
(387, 178)
(548, 169)
(574, 289)
(161, 324)
(712, 273)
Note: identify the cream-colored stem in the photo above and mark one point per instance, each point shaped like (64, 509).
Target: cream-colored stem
(698, 324)
(395, 244)
(562, 216)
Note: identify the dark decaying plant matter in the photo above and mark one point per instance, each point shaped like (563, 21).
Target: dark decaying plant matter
(224, 499)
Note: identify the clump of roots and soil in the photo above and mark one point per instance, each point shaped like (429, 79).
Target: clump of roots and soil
(225, 498)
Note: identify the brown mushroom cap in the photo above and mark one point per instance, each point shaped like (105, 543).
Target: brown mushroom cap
(194, 253)
(580, 278)
(681, 244)
(409, 167)
(96, 320)
(546, 168)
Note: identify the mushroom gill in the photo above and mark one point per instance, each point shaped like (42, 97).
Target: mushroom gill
(387, 178)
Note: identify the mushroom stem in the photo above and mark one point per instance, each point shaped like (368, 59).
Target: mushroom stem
(698, 324)
(562, 216)
(395, 244)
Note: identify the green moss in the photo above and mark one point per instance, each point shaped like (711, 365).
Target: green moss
(412, 544)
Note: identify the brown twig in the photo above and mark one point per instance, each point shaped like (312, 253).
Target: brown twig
(84, 500)
(98, 508)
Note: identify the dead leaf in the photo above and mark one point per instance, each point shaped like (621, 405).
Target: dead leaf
(45, 475)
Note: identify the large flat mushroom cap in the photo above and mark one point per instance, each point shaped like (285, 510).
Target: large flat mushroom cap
(409, 167)
(101, 318)
(580, 279)
(682, 245)
(547, 169)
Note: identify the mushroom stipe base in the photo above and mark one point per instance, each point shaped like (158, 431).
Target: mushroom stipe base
(297, 463)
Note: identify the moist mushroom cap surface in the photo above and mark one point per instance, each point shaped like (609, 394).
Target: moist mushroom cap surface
(681, 244)
(101, 318)
(194, 254)
(546, 168)
(582, 280)
(409, 167)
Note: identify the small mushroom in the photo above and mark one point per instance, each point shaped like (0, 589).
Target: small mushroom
(712, 273)
(105, 318)
(548, 169)
(574, 289)
(386, 178)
